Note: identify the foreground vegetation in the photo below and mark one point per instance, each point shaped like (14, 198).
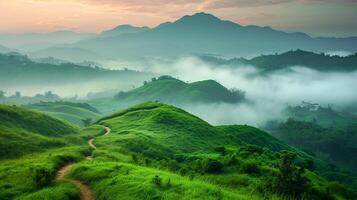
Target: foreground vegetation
(157, 151)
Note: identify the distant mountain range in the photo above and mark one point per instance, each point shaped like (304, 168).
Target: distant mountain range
(38, 41)
(266, 63)
(205, 33)
(200, 33)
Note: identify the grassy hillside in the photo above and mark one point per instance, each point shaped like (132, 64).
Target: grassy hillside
(171, 90)
(157, 151)
(23, 131)
(80, 114)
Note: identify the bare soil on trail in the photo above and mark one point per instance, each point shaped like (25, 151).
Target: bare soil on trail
(85, 191)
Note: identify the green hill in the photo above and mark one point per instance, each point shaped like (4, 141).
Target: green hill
(77, 113)
(24, 131)
(163, 152)
(173, 91)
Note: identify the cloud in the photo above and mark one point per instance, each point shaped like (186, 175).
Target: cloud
(267, 95)
(216, 4)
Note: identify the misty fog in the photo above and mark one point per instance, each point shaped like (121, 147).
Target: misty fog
(267, 94)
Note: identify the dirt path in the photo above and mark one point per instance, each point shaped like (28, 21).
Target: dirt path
(86, 193)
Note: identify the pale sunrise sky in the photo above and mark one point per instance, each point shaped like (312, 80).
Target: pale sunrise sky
(316, 17)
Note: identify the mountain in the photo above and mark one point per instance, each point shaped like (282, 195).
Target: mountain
(23, 131)
(37, 41)
(205, 33)
(123, 29)
(80, 114)
(18, 72)
(173, 91)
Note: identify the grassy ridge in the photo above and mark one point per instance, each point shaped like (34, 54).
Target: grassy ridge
(157, 151)
(75, 113)
(23, 131)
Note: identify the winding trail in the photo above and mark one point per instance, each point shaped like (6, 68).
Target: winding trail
(85, 191)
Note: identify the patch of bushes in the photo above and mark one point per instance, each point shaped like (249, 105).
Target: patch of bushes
(42, 177)
(250, 167)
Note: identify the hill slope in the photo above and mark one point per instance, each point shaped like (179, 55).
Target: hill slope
(24, 131)
(76, 113)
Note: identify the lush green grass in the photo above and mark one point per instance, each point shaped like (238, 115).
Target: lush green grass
(75, 113)
(200, 160)
(23, 131)
(114, 180)
(156, 151)
(17, 175)
(59, 191)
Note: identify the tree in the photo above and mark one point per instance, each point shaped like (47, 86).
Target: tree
(290, 180)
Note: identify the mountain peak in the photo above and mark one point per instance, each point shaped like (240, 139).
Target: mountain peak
(123, 29)
(200, 17)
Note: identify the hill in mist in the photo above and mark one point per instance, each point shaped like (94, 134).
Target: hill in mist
(18, 72)
(37, 41)
(173, 91)
(266, 63)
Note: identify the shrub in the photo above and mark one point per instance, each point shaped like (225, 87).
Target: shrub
(41, 177)
(250, 167)
(156, 180)
(212, 166)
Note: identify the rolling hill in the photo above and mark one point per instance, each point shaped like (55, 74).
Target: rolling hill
(80, 114)
(176, 155)
(23, 131)
(173, 91)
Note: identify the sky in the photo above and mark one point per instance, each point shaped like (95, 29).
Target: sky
(316, 17)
